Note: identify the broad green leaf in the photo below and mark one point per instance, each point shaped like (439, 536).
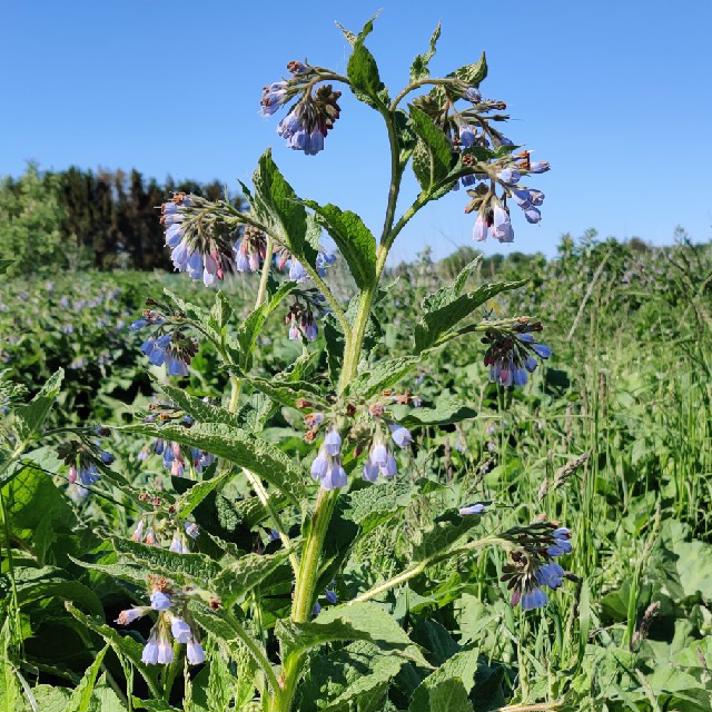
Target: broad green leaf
(235, 445)
(355, 241)
(435, 155)
(447, 529)
(50, 582)
(472, 74)
(289, 393)
(122, 644)
(350, 621)
(81, 695)
(371, 506)
(278, 205)
(420, 69)
(448, 688)
(131, 572)
(184, 568)
(189, 500)
(31, 416)
(190, 311)
(197, 407)
(362, 72)
(384, 374)
(353, 678)
(221, 312)
(437, 322)
(239, 577)
(447, 409)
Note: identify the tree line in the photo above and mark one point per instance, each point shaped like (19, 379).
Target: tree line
(75, 218)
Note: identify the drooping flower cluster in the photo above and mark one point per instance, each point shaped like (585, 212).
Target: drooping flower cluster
(327, 467)
(511, 354)
(84, 459)
(200, 245)
(310, 118)
(380, 459)
(250, 250)
(175, 459)
(532, 566)
(169, 346)
(487, 166)
(172, 625)
(154, 529)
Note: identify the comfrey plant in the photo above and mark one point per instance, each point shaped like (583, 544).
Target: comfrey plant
(269, 600)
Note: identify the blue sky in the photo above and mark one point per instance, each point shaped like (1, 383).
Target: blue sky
(616, 95)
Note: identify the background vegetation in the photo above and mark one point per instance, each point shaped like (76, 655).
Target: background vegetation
(614, 437)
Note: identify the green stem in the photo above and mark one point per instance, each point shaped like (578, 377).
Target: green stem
(264, 276)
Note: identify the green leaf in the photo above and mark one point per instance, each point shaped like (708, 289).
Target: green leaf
(221, 312)
(448, 409)
(353, 678)
(5, 264)
(447, 530)
(448, 688)
(362, 72)
(198, 408)
(371, 506)
(433, 155)
(289, 393)
(235, 445)
(32, 415)
(419, 69)
(438, 321)
(122, 644)
(183, 568)
(241, 576)
(383, 375)
(277, 204)
(472, 74)
(355, 241)
(251, 327)
(350, 621)
(50, 582)
(188, 501)
(81, 695)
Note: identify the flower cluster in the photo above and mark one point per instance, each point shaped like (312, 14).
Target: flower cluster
(326, 467)
(487, 162)
(173, 348)
(301, 319)
(170, 626)
(175, 458)
(84, 459)
(250, 250)
(532, 567)
(200, 246)
(310, 118)
(511, 354)
(380, 459)
(151, 530)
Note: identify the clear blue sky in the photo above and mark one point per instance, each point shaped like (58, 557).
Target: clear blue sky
(617, 95)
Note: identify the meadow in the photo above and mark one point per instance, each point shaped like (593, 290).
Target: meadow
(296, 477)
(612, 436)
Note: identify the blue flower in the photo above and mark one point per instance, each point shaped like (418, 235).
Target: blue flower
(509, 175)
(194, 652)
(481, 229)
(332, 442)
(160, 601)
(467, 135)
(539, 166)
(149, 655)
(502, 224)
(550, 574)
(181, 630)
(297, 273)
(401, 435)
(561, 544)
(274, 96)
(477, 508)
(535, 598)
(331, 596)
